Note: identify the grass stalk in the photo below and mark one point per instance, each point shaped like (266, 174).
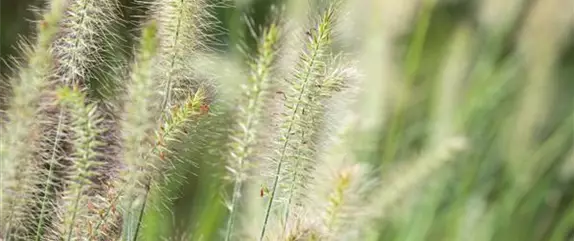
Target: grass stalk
(250, 114)
(52, 162)
(74, 214)
(14, 152)
(316, 47)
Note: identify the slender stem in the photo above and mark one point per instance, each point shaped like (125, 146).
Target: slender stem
(76, 203)
(50, 172)
(292, 188)
(108, 210)
(169, 84)
(54, 147)
(254, 94)
(287, 138)
(234, 201)
(8, 237)
(163, 116)
(238, 181)
(289, 200)
(141, 214)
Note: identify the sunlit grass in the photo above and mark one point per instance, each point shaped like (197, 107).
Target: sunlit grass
(302, 120)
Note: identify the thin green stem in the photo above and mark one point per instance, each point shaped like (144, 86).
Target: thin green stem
(142, 210)
(292, 188)
(287, 139)
(23, 107)
(238, 183)
(76, 203)
(7, 236)
(290, 198)
(232, 213)
(258, 78)
(108, 210)
(40, 224)
(169, 84)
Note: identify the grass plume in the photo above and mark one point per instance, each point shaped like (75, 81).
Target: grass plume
(304, 85)
(245, 136)
(76, 212)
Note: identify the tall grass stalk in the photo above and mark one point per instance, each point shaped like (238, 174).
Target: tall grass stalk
(75, 201)
(248, 125)
(17, 167)
(303, 85)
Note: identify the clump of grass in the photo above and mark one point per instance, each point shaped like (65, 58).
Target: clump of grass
(335, 98)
